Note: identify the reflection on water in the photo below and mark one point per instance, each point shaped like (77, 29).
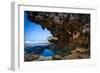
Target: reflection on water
(43, 50)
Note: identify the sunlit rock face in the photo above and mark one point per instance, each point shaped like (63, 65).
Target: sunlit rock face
(69, 30)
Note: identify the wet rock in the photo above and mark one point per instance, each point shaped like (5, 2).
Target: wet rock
(44, 58)
(31, 57)
(57, 57)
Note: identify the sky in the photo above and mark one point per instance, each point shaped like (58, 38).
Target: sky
(33, 31)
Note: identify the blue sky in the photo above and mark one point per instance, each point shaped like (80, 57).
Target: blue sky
(33, 31)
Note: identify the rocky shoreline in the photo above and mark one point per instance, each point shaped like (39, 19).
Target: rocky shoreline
(78, 53)
(71, 35)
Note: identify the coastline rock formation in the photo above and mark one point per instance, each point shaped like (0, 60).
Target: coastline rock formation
(69, 30)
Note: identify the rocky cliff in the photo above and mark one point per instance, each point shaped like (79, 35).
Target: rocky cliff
(69, 30)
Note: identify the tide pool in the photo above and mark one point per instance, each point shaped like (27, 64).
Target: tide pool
(47, 52)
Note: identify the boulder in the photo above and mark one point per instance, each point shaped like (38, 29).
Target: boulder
(31, 57)
(57, 57)
(44, 58)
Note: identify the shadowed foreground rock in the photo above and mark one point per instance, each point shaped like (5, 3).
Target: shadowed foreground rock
(78, 53)
(31, 57)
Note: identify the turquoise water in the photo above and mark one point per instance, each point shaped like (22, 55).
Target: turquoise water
(33, 31)
(47, 52)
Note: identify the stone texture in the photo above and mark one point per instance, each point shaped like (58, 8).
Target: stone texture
(43, 58)
(69, 30)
